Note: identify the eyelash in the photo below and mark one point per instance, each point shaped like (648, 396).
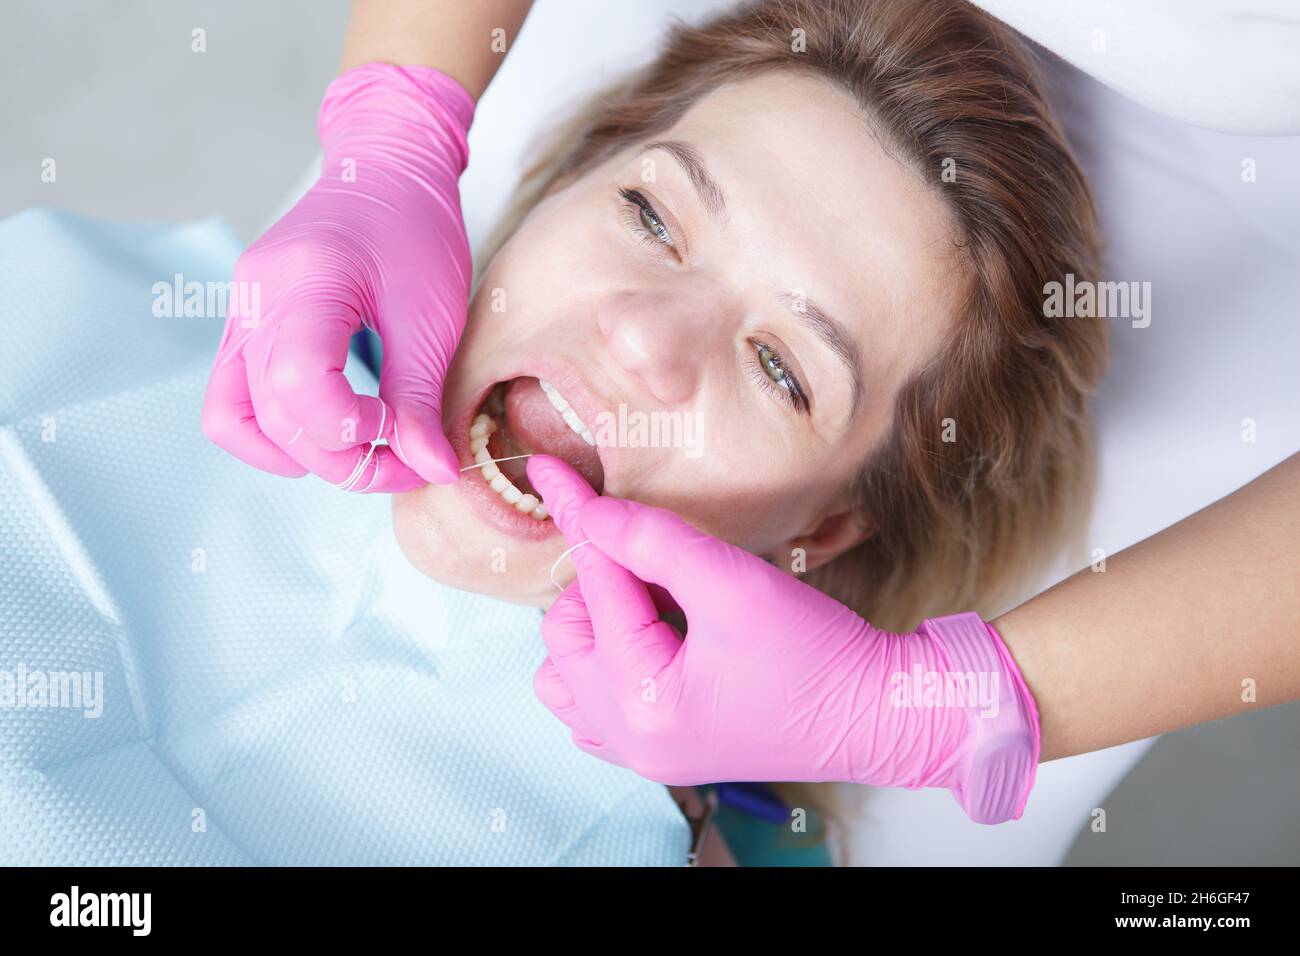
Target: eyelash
(794, 393)
(635, 203)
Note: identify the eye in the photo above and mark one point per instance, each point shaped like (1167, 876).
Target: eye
(643, 218)
(774, 374)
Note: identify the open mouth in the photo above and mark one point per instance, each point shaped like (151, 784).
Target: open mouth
(528, 416)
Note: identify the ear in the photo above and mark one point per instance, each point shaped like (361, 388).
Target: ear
(831, 537)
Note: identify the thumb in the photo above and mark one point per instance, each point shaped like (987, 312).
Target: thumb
(415, 396)
(418, 440)
(423, 318)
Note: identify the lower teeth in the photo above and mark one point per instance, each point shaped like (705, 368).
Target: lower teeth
(479, 432)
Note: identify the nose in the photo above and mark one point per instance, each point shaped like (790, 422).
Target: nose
(666, 338)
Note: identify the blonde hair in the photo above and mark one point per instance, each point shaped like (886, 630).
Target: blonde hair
(987, 468)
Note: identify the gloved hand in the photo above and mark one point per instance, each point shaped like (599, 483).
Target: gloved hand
(774, 681)
(378, 241)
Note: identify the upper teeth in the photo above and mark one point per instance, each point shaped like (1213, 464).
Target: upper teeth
(566, 410)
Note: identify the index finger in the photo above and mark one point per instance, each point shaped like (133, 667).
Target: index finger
(616, 598)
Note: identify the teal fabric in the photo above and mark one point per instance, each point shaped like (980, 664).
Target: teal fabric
(279, 686)
(754, 841)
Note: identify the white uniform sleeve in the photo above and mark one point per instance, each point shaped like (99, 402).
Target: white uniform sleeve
(1230, 65)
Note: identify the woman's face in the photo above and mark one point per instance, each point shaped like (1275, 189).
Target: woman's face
(729, 309)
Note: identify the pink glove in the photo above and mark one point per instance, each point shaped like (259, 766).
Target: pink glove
(775, 681)
(378, 241)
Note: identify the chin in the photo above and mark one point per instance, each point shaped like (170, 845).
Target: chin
(447, 543)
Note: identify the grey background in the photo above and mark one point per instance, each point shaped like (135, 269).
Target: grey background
(141, 127)
(144, 129)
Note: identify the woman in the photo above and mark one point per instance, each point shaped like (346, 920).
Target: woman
(830, 255)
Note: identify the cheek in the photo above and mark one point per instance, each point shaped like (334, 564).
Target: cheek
(753, 506)
(550, 249)
(749, 521)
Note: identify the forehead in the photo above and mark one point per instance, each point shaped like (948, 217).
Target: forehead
(817, 202)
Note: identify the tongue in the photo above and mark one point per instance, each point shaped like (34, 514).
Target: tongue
(533, 425)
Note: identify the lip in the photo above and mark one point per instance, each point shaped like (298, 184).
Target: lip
(478, 495)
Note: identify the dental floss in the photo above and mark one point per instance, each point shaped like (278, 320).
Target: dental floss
(397, 444)
(491, 460)
(363, 462)
(349, 483)
(373, 476)
(565, 554)
(383, 417)
(567, 551)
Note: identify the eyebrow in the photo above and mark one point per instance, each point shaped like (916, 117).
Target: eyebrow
(832, 333)
(710, 193)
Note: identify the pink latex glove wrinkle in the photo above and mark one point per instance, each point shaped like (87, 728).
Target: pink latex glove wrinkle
(775, 681)
(379, 241)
